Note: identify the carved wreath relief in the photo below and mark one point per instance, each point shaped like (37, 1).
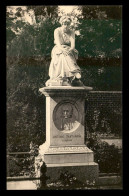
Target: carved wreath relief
(66, 116)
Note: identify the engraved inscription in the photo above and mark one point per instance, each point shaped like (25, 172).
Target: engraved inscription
(67, 137)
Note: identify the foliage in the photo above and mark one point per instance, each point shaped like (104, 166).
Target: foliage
(101, 11)
(34, 40)
(26, 120)
(107, 156)
(22, 164)
(33, 153)
(13, 169)
(101, 78)
(104, 121)
(47, 11)
(99, 38)
(68, 181)
(18, 165)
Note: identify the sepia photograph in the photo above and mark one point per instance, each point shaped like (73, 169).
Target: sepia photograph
(64, 97)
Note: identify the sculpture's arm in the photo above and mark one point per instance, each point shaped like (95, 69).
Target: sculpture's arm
(57, 38)
(72, 39)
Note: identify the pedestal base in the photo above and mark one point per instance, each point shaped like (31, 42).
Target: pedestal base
(65, 149)
(76, 160)
(69, 154)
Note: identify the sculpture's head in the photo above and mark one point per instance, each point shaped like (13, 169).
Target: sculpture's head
(65, 22)
(67, 111)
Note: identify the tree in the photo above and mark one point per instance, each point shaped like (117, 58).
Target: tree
(100, 32)
(101, 11)
(25, 75)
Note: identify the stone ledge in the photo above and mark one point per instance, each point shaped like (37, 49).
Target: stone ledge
(64, 90)
(109, 180)
(110, 92)
(71, 164)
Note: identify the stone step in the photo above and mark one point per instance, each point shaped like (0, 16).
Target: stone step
(59, 158)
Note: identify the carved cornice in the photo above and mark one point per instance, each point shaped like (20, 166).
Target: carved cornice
(65, 91)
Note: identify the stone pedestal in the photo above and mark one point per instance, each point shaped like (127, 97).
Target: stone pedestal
(65, 149)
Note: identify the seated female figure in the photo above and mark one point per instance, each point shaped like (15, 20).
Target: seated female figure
(63, 68)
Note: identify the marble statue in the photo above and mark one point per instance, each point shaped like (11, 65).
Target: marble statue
(63, 70)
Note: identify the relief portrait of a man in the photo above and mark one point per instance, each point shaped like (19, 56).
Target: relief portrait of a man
(66, 117)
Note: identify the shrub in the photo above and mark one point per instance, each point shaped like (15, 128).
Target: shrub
(12, 168)
(68, 181)
(107, 156)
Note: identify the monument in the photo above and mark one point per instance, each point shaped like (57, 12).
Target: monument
(65, 149)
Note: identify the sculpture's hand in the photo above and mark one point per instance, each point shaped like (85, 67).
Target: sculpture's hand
(70, 50)
(65, 51)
